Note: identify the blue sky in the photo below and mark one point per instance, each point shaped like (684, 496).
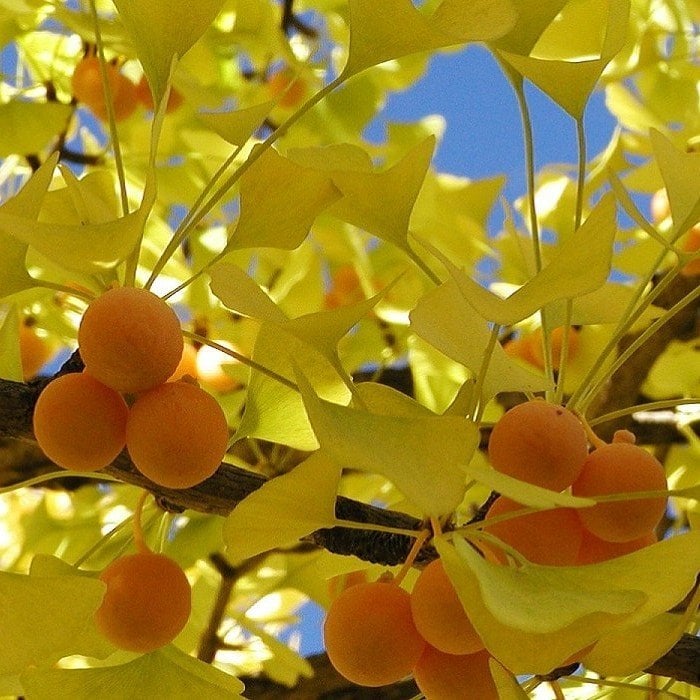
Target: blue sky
(483, 136)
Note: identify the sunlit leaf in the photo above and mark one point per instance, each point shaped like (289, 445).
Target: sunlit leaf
(27, 202)
(628, 650)
(448, 322)
(506, 684)
(10, 359)
(163, 29)
(523, 492)
(237, 126)
(567, 61)
(84, 246)
(37, 627)
(381, 203)
(27, 127)
(533, 17)
(240, 293)
(580, 265)
(166, 673)
(526, 651)
(681, 174)
(397, 444)
(284, 509)
(273, 410)
(400, 29)
(279, 202)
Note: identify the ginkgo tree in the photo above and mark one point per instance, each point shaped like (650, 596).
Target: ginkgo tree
(337, 316)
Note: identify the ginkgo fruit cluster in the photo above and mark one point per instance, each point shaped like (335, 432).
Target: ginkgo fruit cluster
(376, 633)
(130, 342)
(546, 445)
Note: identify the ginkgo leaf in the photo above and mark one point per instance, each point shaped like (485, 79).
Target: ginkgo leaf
(449, 323)
(84, 247)
(165, 673)
(240, 293)
(681, 174)
(523, 492)
(163, 29)
(13, 251)
(381, 203)
(284, 509)
(10, 358)
(580, 265)
(280, 200)
(533, 17)
(274, 410)
(337, 156)
(396, 445)
(524, 651)
(37, 627)
(566, 62)
(628, 650)
(237, 126)
(28, 126)
(507, 685)
(561, 610)
(400, 29)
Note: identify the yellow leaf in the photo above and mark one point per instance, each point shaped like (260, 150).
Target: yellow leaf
(451, 324)
(397, 444)
(284, 509)
(681, 174)
(163, 29)
(580, 265)
(237, 126)
(381, 203)
(400, 29)
(280, 200)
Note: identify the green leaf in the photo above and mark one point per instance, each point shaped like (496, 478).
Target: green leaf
(569, 57)
(38, 627)
(400, 29)
(166, 673)
(580, 265)
(506, 684)
(163, 29)
(533, 17)
(451, 324)
(280, 200)
(26, 128)
(681, 174)
(424, 455)
(284, 509)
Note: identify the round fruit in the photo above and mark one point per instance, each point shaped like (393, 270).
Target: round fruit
(79, 423)
(548, 537)
(593, 549)
(621, 468)
(441, 676)
(86, 84)
(438, 613)
(130, 339)
(370, 636)
(187, 367)
(690, 243)
(176, 434)
(660, 207)
(147, 602)
(539, 442)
